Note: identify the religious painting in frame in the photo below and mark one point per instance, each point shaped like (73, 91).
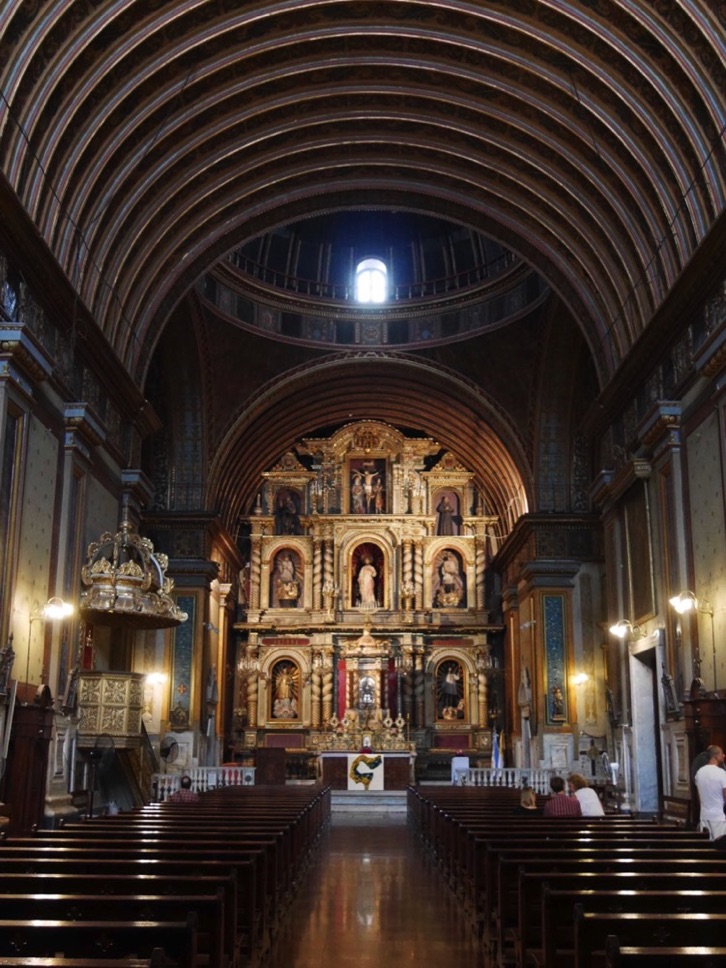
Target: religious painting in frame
(555, 650)
(367, 485)
(182, 666)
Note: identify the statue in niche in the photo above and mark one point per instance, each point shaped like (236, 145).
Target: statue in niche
(367, 691)
(446, 509)
(287, 512)
(449, 586)
(285, 582)
(450, 687)
(367, 576)
(367, 583)
(285, 678)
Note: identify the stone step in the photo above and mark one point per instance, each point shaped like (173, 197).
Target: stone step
(377, 801)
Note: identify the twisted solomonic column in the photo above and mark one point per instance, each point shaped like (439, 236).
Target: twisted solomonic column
(482, 697)
(328, 574)
(253, 687)
(408, 690)
(407, 560)
(418, 570)
(327, 692)
(255, 572)
(479, 570)
(315, 697)
(419, 690)
(317, 573)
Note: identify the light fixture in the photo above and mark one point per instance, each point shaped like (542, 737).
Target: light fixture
(580, 679)
(54, 610)
(156, 678)
(684, 602)
(623, 629)
(688, 602)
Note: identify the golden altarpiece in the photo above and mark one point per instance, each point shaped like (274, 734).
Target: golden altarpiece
(362, 618)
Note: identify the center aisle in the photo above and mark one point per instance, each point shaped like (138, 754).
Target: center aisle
(373, 897)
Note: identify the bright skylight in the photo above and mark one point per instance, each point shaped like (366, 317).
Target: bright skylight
(371, 281)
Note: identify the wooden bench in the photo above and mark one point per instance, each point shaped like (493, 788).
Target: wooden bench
(262, 839)
(117, 939)
(532, 884)
(131, 891)
(640, 930)
(617, 956)
(47, 861)
(157, 960)
(208, 910)
(262, 851)
(282, 863)
(501, 903)
(558, 913)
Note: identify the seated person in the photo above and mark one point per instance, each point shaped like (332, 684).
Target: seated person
(184, 794)
(589, 800)
(560, 804)
(528, 804)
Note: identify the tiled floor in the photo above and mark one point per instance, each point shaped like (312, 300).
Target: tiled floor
(371, 897)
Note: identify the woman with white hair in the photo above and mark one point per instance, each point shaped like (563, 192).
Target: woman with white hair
(589, 800)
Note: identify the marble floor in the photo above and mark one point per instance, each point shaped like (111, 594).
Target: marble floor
(372, 898)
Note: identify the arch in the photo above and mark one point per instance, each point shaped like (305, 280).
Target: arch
(337, 390)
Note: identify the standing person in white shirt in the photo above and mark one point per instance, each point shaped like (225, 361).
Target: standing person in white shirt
(589, 800)
(710, 782)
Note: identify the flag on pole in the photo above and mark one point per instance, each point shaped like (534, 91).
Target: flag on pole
(496, 758)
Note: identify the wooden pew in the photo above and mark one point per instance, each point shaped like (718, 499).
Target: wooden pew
(262, 850)
(276, 839)
(502, 900)
(539, 838)
(209, 911)
(261, 841)
(47, 861)
(640, 930)
(532, 884)
(228, 827)
(157, 960)
(558, 913)
(461, 832)
(128, 889)
(617, 956)
(117, 939)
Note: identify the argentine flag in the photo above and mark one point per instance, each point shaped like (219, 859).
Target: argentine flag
(496, 757)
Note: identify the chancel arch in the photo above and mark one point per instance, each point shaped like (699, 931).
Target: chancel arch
(412, 393)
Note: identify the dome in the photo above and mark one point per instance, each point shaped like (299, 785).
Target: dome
(445, 281)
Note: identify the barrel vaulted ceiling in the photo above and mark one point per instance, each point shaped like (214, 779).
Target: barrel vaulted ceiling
(147, 139)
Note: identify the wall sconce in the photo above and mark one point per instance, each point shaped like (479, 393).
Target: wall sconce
(685, 602)
(54, 610)
(623, 629)
(580, 679)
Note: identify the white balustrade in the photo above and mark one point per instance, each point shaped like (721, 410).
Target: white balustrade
(506, 776)
(203, 778)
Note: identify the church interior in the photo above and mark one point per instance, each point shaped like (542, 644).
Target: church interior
(362, 396)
